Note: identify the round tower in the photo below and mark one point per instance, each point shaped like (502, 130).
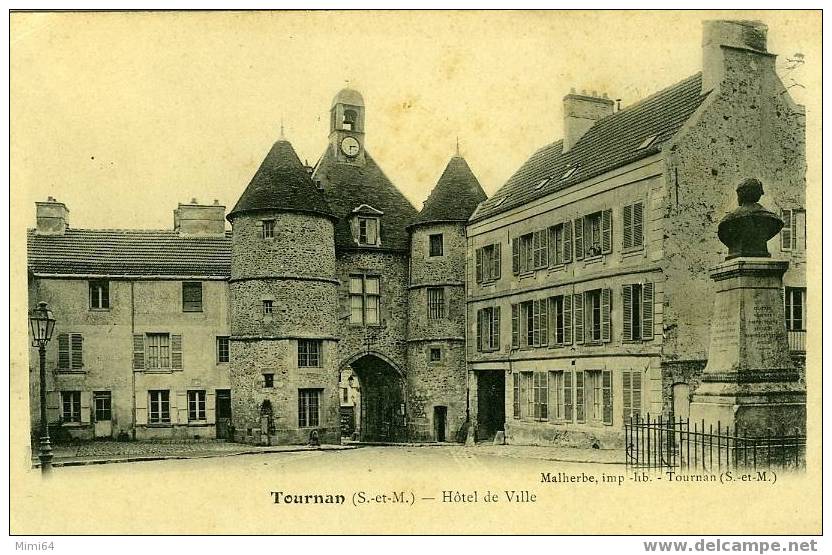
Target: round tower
(436, 308)
(283, 360)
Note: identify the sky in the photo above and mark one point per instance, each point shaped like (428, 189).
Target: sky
(123, 116)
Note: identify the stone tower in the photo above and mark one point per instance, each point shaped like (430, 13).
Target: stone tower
(436, 306)
(346, 127)
(283, 353)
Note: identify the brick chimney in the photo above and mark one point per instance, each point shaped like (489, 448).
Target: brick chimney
(717, 35)
(580, 112)
(52, 217)
(199, 220)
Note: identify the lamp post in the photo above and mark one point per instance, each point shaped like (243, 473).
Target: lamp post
(43, 324)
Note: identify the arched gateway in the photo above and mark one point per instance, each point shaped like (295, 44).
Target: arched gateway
(381, 404)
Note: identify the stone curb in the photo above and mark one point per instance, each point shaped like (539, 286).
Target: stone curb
(143, 458)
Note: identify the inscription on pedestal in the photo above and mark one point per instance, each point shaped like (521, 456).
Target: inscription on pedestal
(763, 334)
(724, 334)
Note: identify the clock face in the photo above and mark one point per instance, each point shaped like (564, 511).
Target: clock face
(350, 146)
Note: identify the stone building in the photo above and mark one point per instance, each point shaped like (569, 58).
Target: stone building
(588, 293)
(575, 297)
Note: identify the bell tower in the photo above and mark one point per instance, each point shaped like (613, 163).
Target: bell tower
(346, 127)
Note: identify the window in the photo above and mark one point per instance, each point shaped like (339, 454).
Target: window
(308, 407)
(540, 395)
(593, 234)
(533, 323)
(159, 406)
(191, 296)
(368, 231)
(100, 295)
(309, 353)
(268, 229)
(598, 395)
(365, 300)
(158, 350)
(795, 308)
(560, 244)
(530, 252)
(268, 380)
(561, 314)
(488, 263)
(435, 354)
(631, 391)
(592, 316)
(436, 303)
(103, 405)
(633, 225)
(70, 351)
(516, 394)
(436, 247)
(268, 307)
(488, 329)
(71, 406)
(793, 234)
(222, 349)
(196, 406)
(638, 312)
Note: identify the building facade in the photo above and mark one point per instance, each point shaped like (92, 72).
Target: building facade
(575, 297)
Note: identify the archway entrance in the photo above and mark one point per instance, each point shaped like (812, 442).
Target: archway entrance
(381, 410)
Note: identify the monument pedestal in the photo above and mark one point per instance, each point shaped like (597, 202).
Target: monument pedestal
(750, 384)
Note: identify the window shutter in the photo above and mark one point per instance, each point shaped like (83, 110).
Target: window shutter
(535, 331)
(544, 248)
(479, 329)
(606, 231)
(543, 305)
(647, 311)
(181, 408)
(636, 396)
(567, 395)
(606, 327)
(479, 265)
(86, 409)
(626, 398)
(53, 406)
(515, 325)
(210, 407)
(578, 316)
(795, 217)
(567, 319)
(63, 350)
(579, 238)
(606, 383)
(138, 351)
(567, 241)
(638, 224)
(176, 352)
(77, 342)
(628, 225)
(495, 329)
(535, 250)
(141, 407)
(579, 397)
(497, 261)
(515, 255)
(786, 232)
(627, 303)
(553, 255)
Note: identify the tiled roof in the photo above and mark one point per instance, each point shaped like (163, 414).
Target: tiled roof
(455, 197)
(129, 252)
(348, 186)
(612, 142)
(281, 183)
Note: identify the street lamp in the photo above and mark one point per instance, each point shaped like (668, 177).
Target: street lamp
(43, 324)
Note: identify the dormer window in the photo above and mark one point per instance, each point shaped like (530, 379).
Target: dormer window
(366, 226)
(647, 142)
(368, 231)
(570, 171)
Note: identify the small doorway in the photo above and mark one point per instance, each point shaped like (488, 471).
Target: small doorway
(222, 405)
(491, 404)
(681, 400)
(440, 422)
(103, 413)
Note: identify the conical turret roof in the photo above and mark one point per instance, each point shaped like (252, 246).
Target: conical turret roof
(282, 183)
(455, 197)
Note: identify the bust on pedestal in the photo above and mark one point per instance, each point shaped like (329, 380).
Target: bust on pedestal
(750, 384)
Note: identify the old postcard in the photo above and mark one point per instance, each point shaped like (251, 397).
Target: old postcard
(544, 272)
